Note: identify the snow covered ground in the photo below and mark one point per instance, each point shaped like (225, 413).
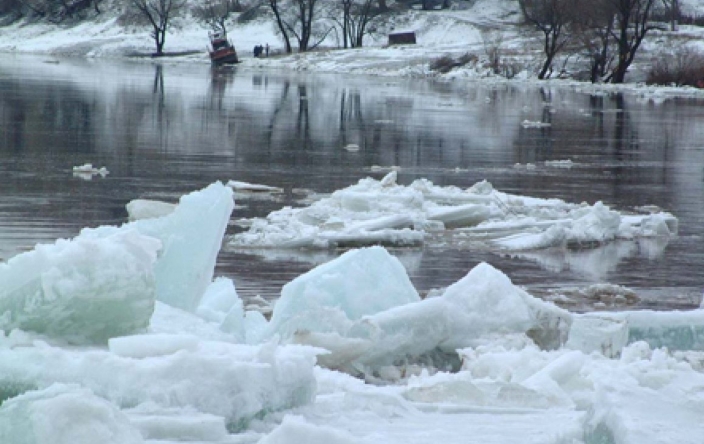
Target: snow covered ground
(122, 335)
(453, 32)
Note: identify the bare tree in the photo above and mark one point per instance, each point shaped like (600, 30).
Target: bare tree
(632, 19)
(356, 16)
(493, 42)
(593, 29)
(158, 13)
(612, 31)
(69, 9)
(216, 13)
(300, 20)
(277, 7)
(674, 11)
(55, 11)
(551, 17)
(33, 8)
(10, 9)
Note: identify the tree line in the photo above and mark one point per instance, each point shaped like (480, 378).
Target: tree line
(608, 33)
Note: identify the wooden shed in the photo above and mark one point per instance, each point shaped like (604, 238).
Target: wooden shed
(402, 38)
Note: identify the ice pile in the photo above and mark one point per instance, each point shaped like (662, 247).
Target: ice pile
(384, 212)
(136, 367)
(104, 282)
(123, 336)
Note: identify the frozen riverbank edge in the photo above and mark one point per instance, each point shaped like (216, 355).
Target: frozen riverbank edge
(447, 32)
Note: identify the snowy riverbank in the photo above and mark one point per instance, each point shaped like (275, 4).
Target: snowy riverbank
(453, 32)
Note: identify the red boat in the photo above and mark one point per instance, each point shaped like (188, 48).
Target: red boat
(221, 50)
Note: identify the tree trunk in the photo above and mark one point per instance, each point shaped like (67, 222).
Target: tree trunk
(279, 22)
(346, 22)
(159, 37)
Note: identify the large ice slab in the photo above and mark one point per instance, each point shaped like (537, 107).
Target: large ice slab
(84, 290)
(610, 332)
(483, 303)
(363, 310)
(333, 295)
(191, 237)
(676, 330)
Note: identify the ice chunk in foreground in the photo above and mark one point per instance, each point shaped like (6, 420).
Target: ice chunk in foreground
(191, 237)
(235, 382)
(331, 296)
(484, 302)
(350, 308)
(84, 290)
(64, 414)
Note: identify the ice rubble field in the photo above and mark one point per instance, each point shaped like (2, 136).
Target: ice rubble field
(122, 335)
(385, 212)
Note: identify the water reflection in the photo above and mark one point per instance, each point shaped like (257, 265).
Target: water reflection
(598, 263)
(164, 130)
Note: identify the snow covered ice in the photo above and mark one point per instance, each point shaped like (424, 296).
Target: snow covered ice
(386, 212)
(124, 335)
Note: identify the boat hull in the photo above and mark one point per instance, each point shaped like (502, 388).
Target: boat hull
(224, 56)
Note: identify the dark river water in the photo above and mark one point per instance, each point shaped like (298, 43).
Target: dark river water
(163, 131)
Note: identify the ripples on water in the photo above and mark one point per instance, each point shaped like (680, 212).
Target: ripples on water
(163, 131)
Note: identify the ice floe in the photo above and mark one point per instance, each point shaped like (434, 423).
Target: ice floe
(388, 213)
(87, 171)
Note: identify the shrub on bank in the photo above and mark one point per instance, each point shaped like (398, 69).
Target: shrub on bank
(446, 63)
(684, 67)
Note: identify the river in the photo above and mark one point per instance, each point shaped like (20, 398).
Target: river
(165, 130)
